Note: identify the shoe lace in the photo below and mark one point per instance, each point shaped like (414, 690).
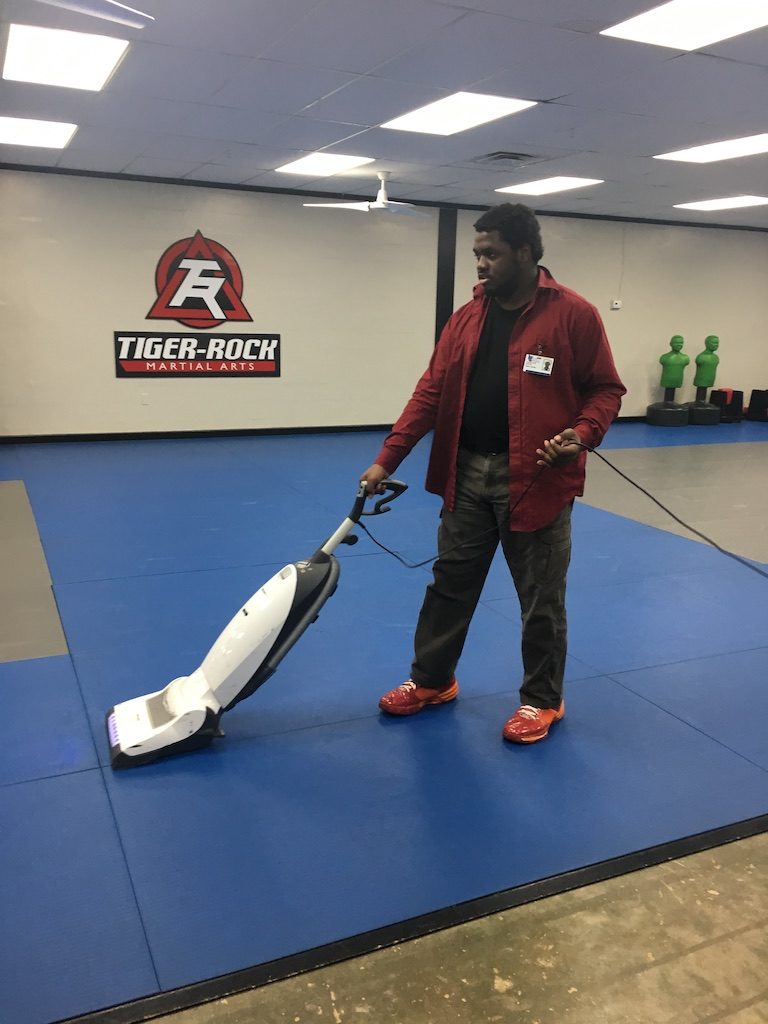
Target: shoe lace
(407, 686)
(527, 711)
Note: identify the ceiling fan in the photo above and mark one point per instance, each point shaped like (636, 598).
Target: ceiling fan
(381, 204)
(108, 10)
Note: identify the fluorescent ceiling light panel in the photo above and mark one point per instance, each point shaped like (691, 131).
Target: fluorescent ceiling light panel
(24, 131)
(733, 203)
(727, 150)
(51, 56)
(321, 165)
(691, 24)
(457, 113)
(544, 186)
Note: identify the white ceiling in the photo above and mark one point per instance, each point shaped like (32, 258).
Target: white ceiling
(225, 92)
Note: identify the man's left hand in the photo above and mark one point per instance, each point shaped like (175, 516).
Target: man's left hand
(559, 448)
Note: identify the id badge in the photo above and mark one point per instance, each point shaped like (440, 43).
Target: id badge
(538, 364)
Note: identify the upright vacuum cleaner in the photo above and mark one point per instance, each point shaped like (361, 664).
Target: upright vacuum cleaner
(185, 715)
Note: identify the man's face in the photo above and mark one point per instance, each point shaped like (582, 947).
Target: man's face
(501, 268)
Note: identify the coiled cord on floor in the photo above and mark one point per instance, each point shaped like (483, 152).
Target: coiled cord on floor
(703, 536)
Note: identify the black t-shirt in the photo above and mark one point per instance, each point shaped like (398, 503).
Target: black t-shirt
(485, 423)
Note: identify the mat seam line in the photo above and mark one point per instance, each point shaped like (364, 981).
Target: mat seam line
(690, 725)
(110, 804)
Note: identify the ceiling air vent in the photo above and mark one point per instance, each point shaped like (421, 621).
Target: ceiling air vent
(504, 156)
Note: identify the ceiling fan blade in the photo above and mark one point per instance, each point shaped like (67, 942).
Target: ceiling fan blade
(401, 209)
(108, 10)
(365, 207)
(381, 204)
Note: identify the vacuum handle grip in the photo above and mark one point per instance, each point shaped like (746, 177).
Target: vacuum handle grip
(392, 489)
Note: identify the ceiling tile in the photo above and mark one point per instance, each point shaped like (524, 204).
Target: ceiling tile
(25, 99)
(750, 48)
(240, 164)
(279, 87)
(576, 128)
(222, 174)
(244, 161)
(584, 16)
(105, 149)
(228, 92)
(539, 62)
(174, 72)
(181, 147)
(697, 87)
(31, 156)
(308, 134)
(161, 168)
(505, 134)
(348, 35)
(136, 113)
(555, 65)
(371, 101)
(227, 123)
(238, 26)
(98, 160)
(274, 179)
(111, 140)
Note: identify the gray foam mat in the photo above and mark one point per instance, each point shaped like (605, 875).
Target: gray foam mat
(29, 619)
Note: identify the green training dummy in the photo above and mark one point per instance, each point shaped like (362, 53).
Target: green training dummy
(706, 363)
(670, 413)
(701, 411)
(673, 364)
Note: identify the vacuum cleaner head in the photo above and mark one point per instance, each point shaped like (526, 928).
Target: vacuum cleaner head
(185, 715)
(170, 721)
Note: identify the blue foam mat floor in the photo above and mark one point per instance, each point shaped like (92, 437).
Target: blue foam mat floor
(316, 819)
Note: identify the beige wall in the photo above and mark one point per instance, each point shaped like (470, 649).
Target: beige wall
(351, 294)
(671, 280)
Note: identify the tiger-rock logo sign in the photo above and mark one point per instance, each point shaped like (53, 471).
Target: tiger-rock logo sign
(199, 284)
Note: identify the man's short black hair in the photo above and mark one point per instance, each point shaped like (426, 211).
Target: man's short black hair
(516, 224)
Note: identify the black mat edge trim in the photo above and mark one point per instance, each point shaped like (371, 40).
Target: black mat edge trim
(227, 985)
(161, 435)
(169, 435)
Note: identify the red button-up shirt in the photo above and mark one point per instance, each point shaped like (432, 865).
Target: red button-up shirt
(584, 392)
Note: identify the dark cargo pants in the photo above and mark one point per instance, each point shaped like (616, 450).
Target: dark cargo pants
(538, 562)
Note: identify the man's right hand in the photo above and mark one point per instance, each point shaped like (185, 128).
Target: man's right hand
(373, 477)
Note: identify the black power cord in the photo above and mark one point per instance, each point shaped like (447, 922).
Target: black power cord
(418, 565)
(703, 536)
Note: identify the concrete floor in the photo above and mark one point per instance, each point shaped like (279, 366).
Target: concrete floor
(720, 490)
(683, 942)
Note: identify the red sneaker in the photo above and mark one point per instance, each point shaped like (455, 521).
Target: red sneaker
(408, 698)
(529, 724)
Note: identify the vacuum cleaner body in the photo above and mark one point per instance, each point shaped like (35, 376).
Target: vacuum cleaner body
(185, 714)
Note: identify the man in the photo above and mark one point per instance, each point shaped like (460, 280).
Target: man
(520, 377)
